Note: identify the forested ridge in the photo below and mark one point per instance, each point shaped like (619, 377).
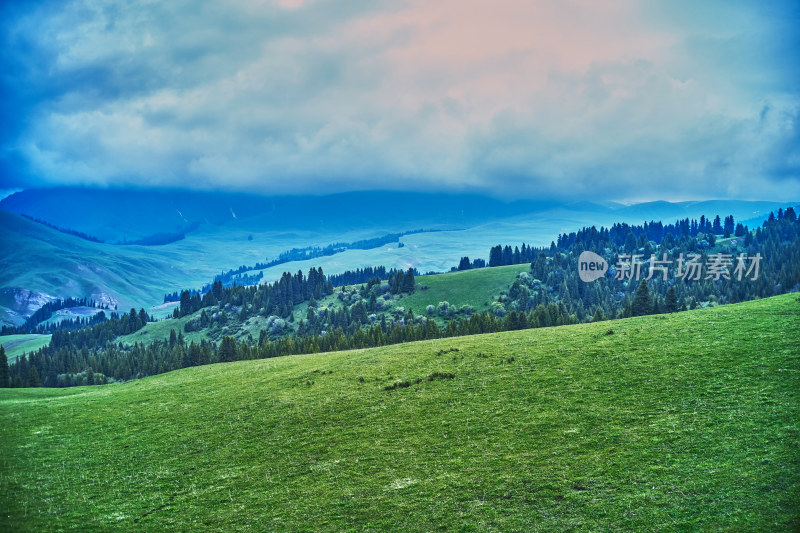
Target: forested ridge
(549, 293)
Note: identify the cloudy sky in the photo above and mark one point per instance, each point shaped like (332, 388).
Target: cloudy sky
(562, 99)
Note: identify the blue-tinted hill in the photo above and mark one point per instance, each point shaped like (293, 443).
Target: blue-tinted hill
(126, 215)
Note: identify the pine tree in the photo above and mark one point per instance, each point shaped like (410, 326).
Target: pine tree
(33, 377)
(671, 301)
(227, 350)
(717, 228)
(496, 256)
(642, 304)
(409, 282)
(5, 381)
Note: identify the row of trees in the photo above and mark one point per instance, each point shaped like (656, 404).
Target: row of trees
(37, 322)
(364, 275)
(554, 275)
(239, 275)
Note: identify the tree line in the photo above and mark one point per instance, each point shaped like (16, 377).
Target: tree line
(34, 323)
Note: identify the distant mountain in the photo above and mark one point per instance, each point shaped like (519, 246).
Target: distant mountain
(116, 215)
(752, 211)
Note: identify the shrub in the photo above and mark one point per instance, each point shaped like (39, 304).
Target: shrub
(466, 310)
(277, 326)
(445, 309)
(498, 309)
(398, 385)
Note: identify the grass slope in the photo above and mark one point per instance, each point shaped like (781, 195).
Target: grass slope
(46, 261)
(477, 288)
(16, 345)
(671, 422)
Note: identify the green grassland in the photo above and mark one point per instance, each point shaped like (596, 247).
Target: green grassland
(477, 288)
(16, 345)
(668, 422)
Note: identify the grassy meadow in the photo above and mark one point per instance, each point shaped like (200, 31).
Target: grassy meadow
(16, 345)
(688, 421)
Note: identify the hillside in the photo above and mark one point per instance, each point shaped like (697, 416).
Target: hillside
(41, 263)
(16, 345)
(120, 214)
(665, 422)
(477, 288)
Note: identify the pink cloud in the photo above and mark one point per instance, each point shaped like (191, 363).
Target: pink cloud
(497, 55)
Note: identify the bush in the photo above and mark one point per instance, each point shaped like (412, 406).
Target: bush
(277, 326)
(498, 309)
(430, 309)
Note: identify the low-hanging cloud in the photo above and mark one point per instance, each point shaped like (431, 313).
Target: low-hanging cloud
(541, 99)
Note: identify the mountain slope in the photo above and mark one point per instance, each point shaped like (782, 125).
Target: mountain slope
(683, 421)
(117, 214)
(41, 263)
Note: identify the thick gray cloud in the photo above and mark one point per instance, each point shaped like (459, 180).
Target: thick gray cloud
(551, 99)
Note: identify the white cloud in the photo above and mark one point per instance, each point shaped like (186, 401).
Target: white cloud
(613, 100)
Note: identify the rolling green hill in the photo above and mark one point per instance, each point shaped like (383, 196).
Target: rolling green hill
(48, 262)
(668, 422)
(469, 287)
(41, 263)
(16, 345)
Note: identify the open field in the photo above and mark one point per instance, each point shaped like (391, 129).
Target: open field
(469, 287)
(666, 422)
(16, 345)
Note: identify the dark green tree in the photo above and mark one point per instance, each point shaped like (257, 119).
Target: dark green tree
(409, 282)
(5, 381)
(227, 349)
(671, 301)
(33, 377)
(642, 304)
